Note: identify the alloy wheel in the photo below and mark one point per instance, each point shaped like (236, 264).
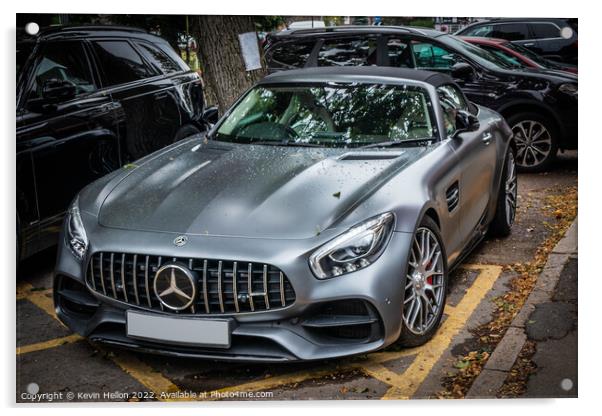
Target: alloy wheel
(511, 188)
(533, 143)
(425, 283)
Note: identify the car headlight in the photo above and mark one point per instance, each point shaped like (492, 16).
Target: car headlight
(76, 237)
(569, 89)
(353, 250)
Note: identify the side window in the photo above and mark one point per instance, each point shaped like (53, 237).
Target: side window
(480, 31)
(63, 62)
(293, 55)
(511, 31)
(545, 30)
(348, 52)
(161, 62)
(434, 57)
(399, 53)
(120, 63)
(451, 100)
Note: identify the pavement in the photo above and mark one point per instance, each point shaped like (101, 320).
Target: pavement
(55, 365)
(547, 324)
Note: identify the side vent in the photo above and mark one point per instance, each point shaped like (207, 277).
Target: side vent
(452, 195)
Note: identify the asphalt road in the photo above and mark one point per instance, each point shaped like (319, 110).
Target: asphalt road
(55, 365)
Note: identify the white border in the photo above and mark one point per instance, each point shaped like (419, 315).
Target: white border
(590, 139)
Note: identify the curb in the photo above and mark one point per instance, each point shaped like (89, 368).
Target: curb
(498, 366)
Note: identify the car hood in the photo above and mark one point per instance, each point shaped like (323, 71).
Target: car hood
(256, 191)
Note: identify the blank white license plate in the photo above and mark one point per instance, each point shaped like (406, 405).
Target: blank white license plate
(179, 330)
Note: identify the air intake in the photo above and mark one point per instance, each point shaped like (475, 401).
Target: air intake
(452, 196)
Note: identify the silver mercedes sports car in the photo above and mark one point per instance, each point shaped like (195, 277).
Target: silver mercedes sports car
(320, 217)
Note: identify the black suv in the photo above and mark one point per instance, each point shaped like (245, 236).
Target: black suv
(90, 100)
(539, 105)
(554, 39)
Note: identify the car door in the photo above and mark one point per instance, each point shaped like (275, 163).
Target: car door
(66, 132)
(477, 155)
(546, 40)
(149, 116)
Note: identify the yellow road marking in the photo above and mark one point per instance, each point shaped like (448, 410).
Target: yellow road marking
(403, 385)
(26, 289)
(41, 298)
(406, 383)
(140, 371)
(417, 372)
(56, 342)
(145, 374)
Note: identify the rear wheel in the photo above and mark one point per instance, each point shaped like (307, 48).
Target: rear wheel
(425, 286)
(506, 201)
(536, 141)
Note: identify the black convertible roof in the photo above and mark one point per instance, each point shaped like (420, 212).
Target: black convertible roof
(355, 73)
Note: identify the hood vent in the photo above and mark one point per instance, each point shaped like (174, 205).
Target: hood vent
(371, 155)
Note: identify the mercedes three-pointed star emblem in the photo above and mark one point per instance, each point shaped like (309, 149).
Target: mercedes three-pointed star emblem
(175, 286)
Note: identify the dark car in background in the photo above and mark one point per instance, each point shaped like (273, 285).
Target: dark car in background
(90, 100)
(554, 39)
(518, 55)
(540, 106)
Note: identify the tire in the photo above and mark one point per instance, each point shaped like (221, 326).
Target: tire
(410, 335)
(505, 211)
(186, 131)
(536, 139)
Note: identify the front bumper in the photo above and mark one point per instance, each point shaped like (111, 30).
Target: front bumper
(297, 332)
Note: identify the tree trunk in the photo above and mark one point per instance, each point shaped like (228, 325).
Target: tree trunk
(221, 58)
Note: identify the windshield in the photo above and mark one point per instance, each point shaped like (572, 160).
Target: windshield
(332, 115)
(480, 55)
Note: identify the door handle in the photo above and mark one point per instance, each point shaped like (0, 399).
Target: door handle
(529, 44)
(487, 138)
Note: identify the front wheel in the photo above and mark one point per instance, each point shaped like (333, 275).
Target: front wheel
(506, 199)
(536, 141)
(425, 286)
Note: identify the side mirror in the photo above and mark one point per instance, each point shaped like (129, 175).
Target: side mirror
(465, 122)
(462, 70)
(211, 115)
(56, 91)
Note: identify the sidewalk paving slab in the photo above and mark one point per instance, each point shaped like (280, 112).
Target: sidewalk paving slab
(497, 368)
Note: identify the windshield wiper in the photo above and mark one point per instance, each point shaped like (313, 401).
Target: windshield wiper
(397, 143)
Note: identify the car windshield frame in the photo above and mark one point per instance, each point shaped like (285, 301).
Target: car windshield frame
(337, 139)
(475, 53)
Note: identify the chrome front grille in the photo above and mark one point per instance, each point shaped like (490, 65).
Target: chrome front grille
(223, 287)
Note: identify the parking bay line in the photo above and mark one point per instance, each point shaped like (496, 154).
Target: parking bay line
(145, 375)
(408, 383)
(405, 384)
(52, 343)
(138, 370)
(39, 298)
